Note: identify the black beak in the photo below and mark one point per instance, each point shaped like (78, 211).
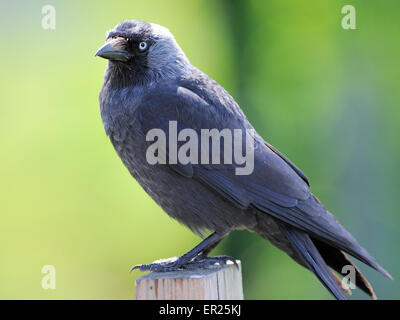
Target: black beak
(113, 50)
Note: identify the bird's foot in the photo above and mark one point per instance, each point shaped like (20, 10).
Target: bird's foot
(210, 262)
(175, 264)
(162, 265)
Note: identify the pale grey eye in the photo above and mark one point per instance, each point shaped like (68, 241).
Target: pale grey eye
(142, 46)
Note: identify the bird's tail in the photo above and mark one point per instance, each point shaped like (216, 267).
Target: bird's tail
(311, 257)
(319, 257)
(337, 260)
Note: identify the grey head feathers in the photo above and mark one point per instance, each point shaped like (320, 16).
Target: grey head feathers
(162, 59)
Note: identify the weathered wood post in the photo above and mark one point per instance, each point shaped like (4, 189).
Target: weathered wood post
(219, 283)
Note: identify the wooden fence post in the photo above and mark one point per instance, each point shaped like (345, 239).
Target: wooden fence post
(220, 283)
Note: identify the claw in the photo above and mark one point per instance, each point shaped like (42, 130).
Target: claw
(135, 267)
(161, 265)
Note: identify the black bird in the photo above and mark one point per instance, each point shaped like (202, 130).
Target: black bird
(149, 82)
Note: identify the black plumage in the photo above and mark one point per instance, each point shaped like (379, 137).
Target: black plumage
(146, 89)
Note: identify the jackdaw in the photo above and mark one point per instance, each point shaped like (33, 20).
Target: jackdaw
(150, 82)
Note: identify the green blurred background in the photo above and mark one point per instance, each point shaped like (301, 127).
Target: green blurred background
(326, 97)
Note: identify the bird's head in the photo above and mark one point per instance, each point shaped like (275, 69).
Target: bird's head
(139, 51)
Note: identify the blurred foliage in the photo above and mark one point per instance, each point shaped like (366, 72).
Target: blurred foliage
(324, 96)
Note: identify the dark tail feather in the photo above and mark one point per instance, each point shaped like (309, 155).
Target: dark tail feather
(336, 259)
(306, 249)
(353, 248)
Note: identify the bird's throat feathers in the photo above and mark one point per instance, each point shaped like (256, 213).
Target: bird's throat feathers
(119, 75)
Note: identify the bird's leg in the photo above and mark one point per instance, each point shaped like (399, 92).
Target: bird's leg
(204, 254)
(203, 261)
(195, 258)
